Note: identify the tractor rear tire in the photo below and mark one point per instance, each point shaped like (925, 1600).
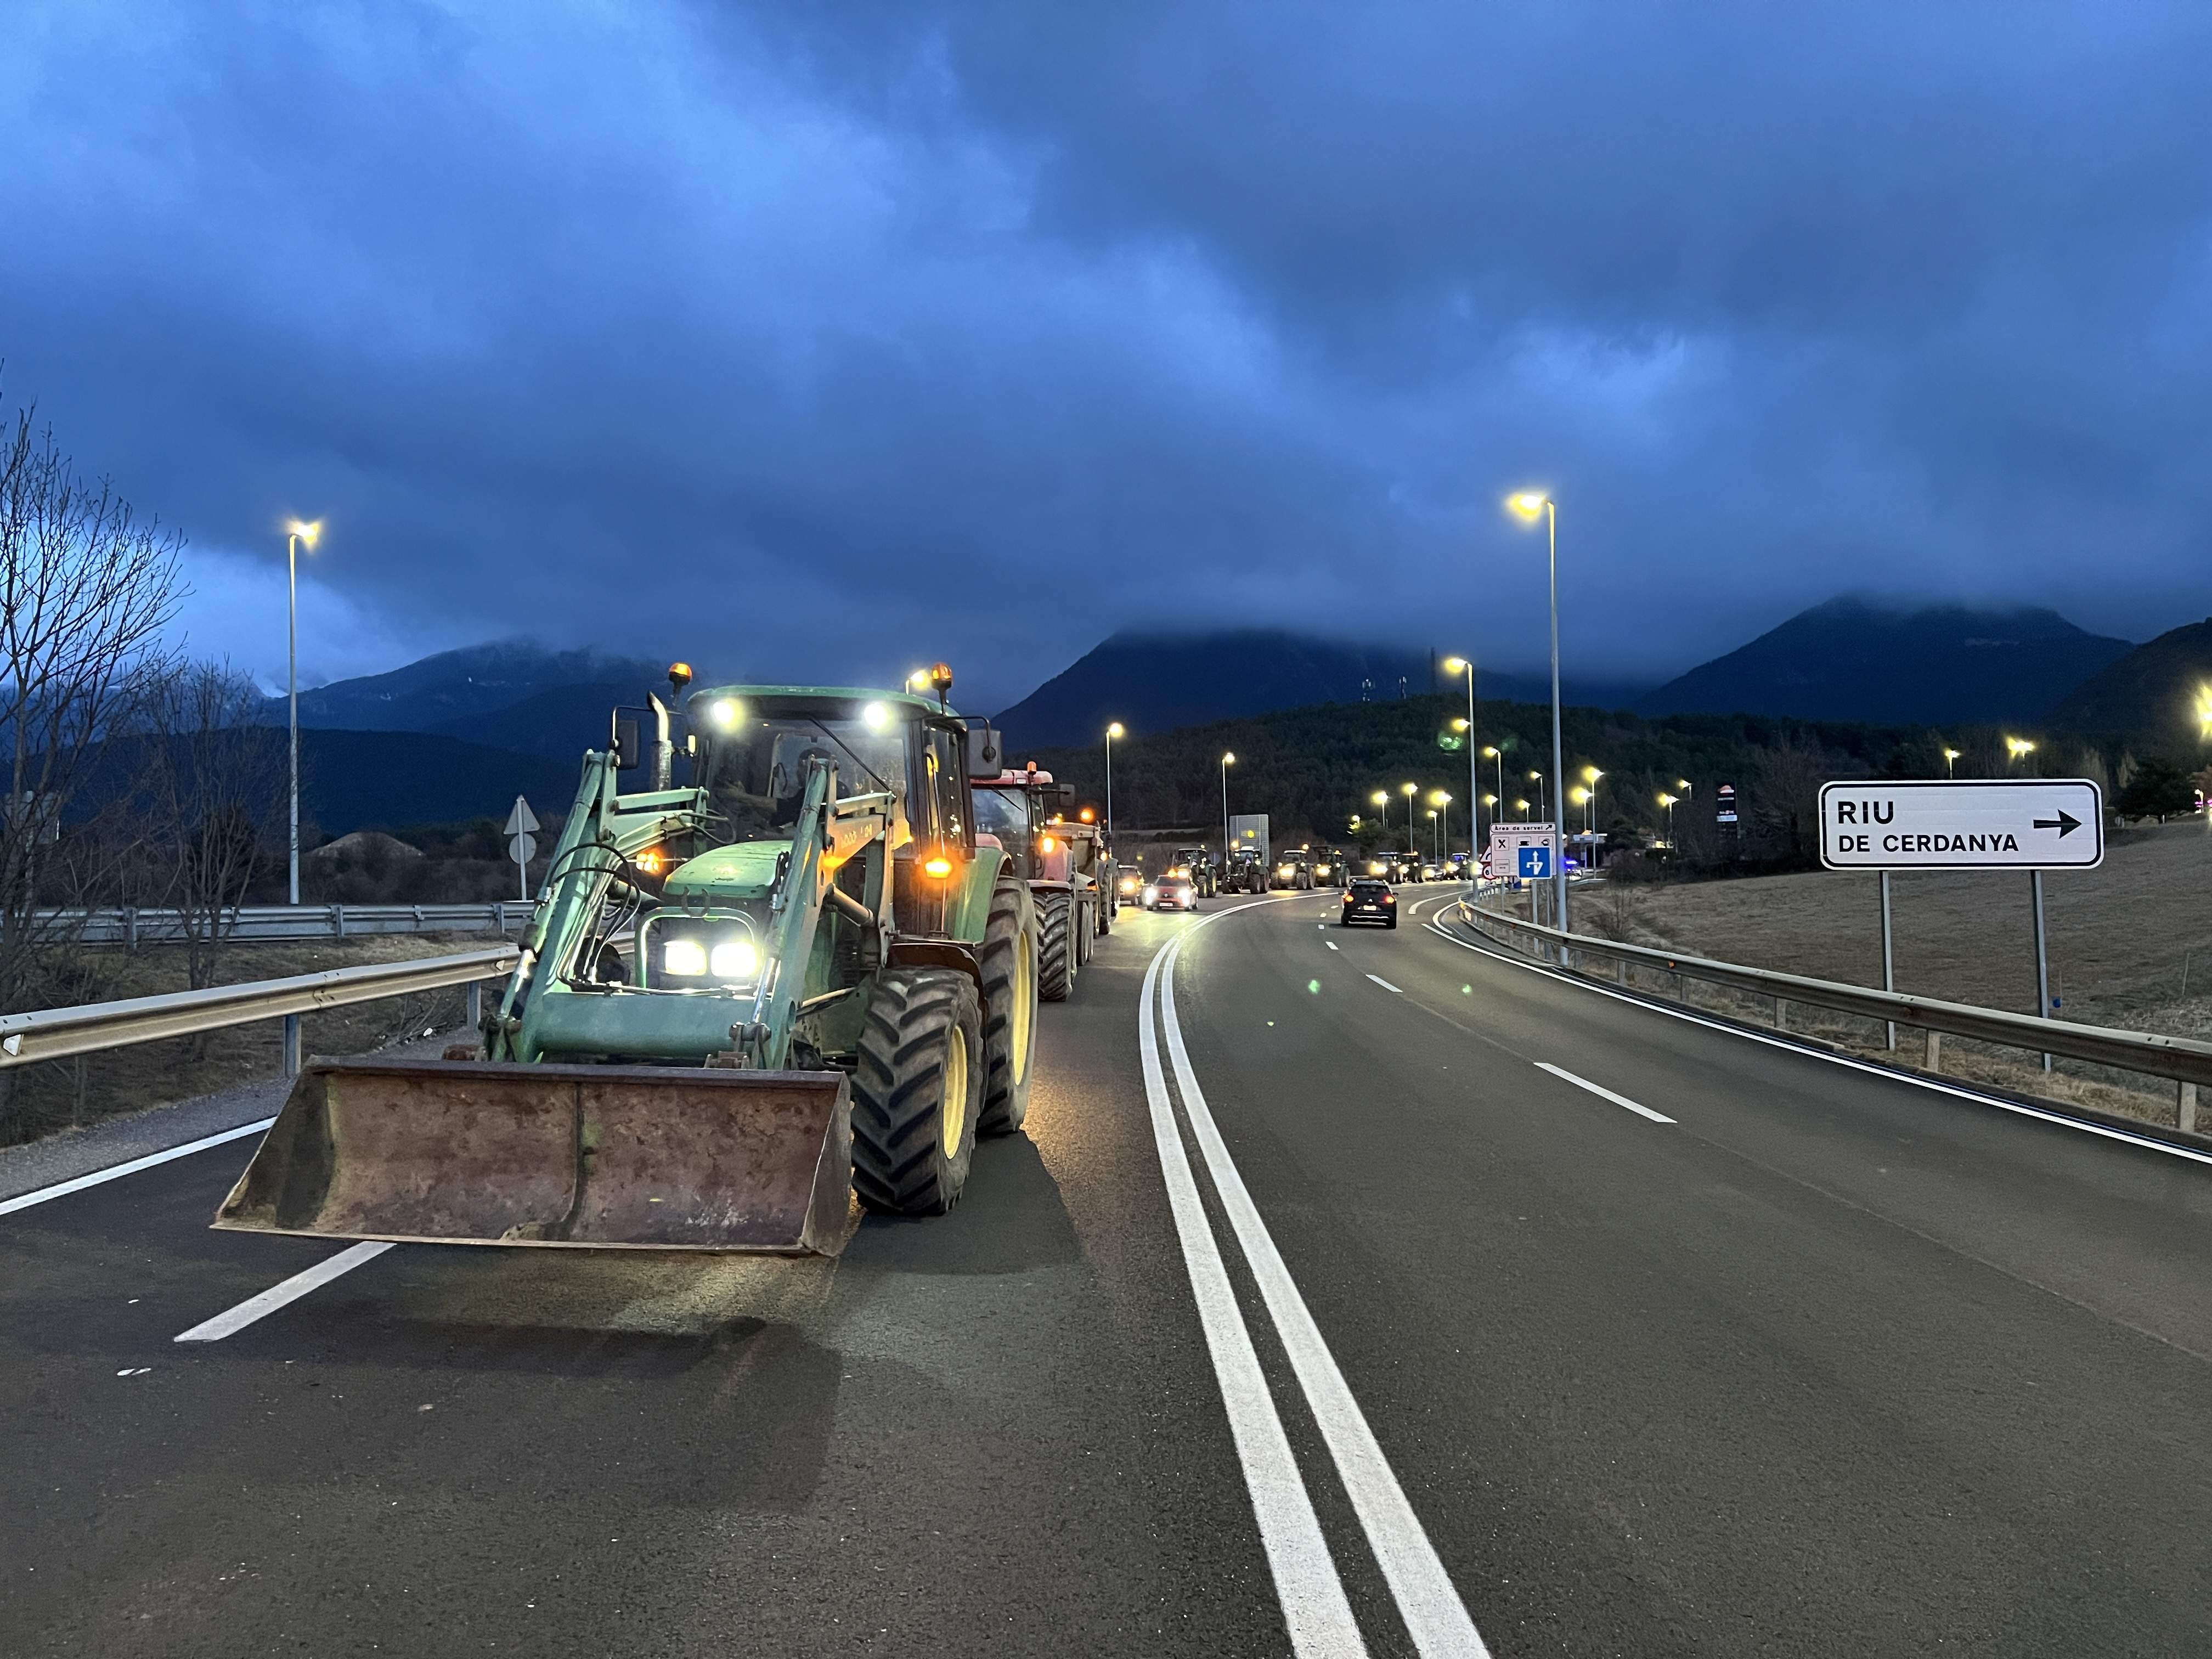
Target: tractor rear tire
(1084, 923)
(1055, 959)
(917, 1091)
(1008, 961)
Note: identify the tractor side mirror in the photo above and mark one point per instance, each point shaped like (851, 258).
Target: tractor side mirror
(628, 754)
(1063, 795)
(985, 750)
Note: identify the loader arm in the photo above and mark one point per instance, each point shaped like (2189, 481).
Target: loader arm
(830, 833)
(604, 831)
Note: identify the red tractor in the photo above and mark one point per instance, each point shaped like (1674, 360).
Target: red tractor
(1065, 865)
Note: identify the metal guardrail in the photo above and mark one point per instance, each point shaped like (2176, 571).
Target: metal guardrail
(55, 1033)
(2183, 1060)
(133, 927)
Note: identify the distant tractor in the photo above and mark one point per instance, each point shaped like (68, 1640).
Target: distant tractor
(1197, 863)
(1246, 871)
(1018, 809)
(1332, 867)
(1293, 871)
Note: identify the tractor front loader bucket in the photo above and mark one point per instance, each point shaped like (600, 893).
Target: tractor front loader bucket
(477, 1153)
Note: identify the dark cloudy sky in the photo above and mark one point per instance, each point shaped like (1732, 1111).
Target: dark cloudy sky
(818, 339)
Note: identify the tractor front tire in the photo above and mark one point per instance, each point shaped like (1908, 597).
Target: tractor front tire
(1084, 924)
(917, 1091)
(1008, 961)
(1055, 954)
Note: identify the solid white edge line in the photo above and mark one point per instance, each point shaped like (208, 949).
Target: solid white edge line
(1386, 984)
(63, 1190)
(1315, 1609)
(1602, 1092)
(1435, 1616)
(1931, 1085)
(279, 1295)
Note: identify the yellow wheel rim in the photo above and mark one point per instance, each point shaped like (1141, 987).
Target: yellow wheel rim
(952, 1114)
(1024, 1010)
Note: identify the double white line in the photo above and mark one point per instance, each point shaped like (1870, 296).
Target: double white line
(1307, 1582)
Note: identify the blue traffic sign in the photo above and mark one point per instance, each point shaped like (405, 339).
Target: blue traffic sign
(1535, 863)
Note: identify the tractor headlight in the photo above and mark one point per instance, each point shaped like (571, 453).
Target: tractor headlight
(734, 959)
(684, 958)
(723, 712)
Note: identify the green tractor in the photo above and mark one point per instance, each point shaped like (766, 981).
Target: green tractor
(796, 979)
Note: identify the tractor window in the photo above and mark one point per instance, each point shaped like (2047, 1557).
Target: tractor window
(1004, 813)
(756, 773)
(950, 788)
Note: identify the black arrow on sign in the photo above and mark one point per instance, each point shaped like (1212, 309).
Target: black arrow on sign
(2065, 823)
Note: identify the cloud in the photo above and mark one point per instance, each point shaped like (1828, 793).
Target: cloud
(858, 336)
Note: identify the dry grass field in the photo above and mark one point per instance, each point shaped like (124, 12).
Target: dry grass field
(2120, 935)
(2131, 945)
(64, 1093)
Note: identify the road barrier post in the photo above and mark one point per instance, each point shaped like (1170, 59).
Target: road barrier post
(2185, 1114)
(1934, 1062)
(476, 1005)
(2042, 955)
(1889, 958)
(291, 1045)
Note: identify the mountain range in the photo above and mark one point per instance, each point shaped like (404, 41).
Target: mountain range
(1157, 682)
(461, 733)
(1856, 659)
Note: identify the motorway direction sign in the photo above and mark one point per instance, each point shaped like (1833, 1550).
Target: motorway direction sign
(1987, 823)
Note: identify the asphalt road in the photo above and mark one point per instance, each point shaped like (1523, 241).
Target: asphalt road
(1364, 1331)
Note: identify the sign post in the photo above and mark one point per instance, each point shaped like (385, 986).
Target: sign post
(522, 843)
(2034, 824)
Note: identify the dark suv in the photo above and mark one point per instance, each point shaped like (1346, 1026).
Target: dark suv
(1368, 900)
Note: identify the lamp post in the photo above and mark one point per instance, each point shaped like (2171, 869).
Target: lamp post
(1228, 760)
(1529, 504)
(1542, 810)
(1950, 759)
(1492, 752)
(1436, 837)
(1112, 733)
(1466, 665)
(1668, 801)
(1442, 800)
(1410, 790)
(2018, 749)
(1590, 775)
(294, 533)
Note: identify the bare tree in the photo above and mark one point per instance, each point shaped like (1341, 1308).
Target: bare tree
(213, 781)
(87, 589)
(1785, 804)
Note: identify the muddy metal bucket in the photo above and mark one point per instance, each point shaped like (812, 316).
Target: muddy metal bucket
(477, 1153)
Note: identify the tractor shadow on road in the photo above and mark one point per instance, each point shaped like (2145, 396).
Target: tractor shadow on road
(1010, 1220)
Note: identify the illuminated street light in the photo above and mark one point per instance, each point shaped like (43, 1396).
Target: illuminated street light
(1532, 504)
(297, 531)
(2018, 749)
(1228, 760)
(1668, 801)
(1950, 759)
(1409, 790)
(1466, 666)
(1537, 778)
(1112, 732)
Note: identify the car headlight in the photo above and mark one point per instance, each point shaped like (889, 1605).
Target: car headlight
(734, 959)
(686, 957)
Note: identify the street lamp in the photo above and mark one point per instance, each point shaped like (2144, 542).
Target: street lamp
(1466, 665)
(1228, 760)
(1537, 778)
(1950, 759)
(1668, 801)
(1491, 751)
(1590, 775)
(1522, 805)
(1411, 790)
(2018, 749)
(1112, 733)
(296, 533)
(1436, 837)
(1442, 800)
(1532, 504)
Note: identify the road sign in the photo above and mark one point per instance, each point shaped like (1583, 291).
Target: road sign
(1988, 823)
(522, 848)
(1535, 863)
(1510, 843)
(521, 821)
